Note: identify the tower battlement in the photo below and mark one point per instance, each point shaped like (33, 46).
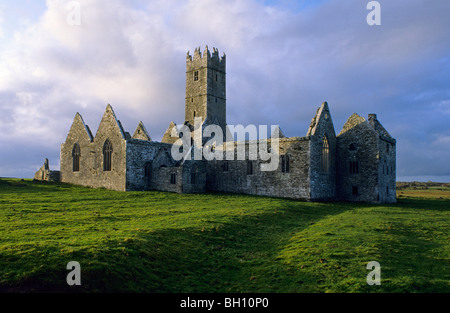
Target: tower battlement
(206, 59)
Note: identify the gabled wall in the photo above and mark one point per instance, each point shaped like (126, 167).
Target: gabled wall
(323, 182)
(139, 153)
(78, 133)
(91, 172)
(386, 162)
(358, 142)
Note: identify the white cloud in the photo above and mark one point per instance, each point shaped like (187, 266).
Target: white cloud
(1, 26)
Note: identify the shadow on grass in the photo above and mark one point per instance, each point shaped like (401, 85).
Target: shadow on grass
(235, 256)
(238, 256)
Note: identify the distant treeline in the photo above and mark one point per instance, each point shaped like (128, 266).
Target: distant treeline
(421, 185)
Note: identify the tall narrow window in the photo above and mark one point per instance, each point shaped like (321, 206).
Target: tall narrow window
(354, 167)
(107, 155)
(194, 175)
(148, 171)
(76, 152)
(249, 168)
(173, 178)
(325, 155)
(225, 166)
(196, 76)
(288, 163)
(285, 164)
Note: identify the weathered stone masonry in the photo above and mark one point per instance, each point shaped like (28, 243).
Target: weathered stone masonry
(359, 164)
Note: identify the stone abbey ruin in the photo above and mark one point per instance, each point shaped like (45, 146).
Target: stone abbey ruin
(358, 164)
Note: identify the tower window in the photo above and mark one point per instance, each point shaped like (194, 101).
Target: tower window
(217, 77)
(76, 151)
(354, 167)
(196, 76)
(355, 190)
(325, 155)
(387, 148)
(107, 155)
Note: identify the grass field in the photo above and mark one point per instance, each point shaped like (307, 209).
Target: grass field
(164, 242)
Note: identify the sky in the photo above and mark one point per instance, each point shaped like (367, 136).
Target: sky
(284, 59)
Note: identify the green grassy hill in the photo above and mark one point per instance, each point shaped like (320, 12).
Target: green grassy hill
(164, 242)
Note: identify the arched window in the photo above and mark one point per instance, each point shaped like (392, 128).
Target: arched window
(107, 154)
(325, 155)
(76, 152)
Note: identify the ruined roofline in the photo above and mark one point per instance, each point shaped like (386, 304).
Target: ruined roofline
(199, 56)
(246, 142)
(141, 131)
(375, 123)
(124, 134)
(370, 123)
(86, 127)
(315, 120)
(148, 143)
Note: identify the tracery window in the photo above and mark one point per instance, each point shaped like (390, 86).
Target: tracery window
(76, 152)
(107, 155)
(325, 165)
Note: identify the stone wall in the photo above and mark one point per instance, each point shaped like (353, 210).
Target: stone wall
(140, 154)
(292, 184)
(161, 180)
(194, 177)
(91, 171)
(357, 142)
(386, 162)
(45, 174)
(322, 167)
